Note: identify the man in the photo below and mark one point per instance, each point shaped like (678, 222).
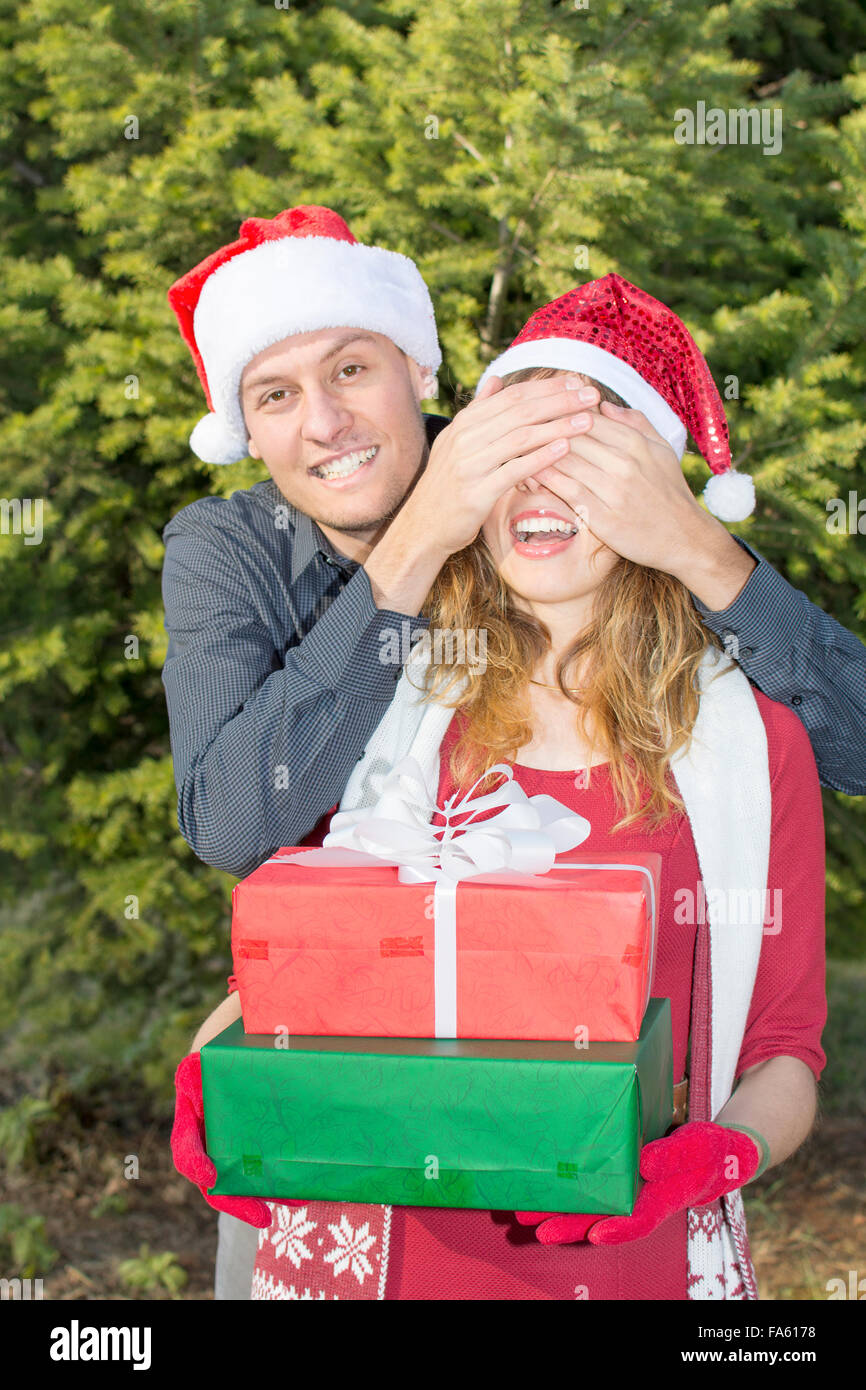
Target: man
(315, 353)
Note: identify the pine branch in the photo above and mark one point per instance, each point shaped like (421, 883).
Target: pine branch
(476, 154)
(31, 175)
(447, 232)
(535, 200)
(638, 20)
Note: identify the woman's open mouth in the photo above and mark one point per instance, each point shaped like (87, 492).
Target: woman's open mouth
(541, 533)
(343, 470)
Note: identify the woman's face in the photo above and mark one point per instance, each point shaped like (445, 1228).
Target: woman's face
(545, 552)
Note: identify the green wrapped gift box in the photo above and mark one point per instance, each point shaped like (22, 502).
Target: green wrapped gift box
(521, 1126)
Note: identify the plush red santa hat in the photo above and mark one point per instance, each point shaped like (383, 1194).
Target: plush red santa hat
(610, 330)
(294, 273)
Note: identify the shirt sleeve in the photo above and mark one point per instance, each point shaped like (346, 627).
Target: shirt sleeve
(788, 1009)
(263, 741)
(795, 653)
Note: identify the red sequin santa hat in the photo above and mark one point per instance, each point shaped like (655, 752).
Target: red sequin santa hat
(294, 273)
(610, 330)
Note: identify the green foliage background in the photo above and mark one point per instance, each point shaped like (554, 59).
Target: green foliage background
(489, 139)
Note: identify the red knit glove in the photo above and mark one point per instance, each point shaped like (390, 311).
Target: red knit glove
(188, 1150)
(698, 1163)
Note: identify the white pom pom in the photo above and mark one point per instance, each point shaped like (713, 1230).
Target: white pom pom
(213, 442)
(730, 495)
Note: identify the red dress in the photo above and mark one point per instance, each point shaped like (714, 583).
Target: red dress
(328, 1250)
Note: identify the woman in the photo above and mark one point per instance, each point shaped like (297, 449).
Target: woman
(603, 688)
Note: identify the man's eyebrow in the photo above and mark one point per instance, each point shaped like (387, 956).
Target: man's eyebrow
(344, 343)
(272, 379)
(256, 381)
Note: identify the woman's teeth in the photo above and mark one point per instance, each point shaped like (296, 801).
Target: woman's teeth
(533, 525)
(349, 463)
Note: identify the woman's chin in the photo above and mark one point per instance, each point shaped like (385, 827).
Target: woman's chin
(546, 581)
(531, 590)
(562, 576)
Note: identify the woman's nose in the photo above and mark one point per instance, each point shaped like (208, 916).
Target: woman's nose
(528, 485)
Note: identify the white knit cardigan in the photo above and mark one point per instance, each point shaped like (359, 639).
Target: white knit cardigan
(723, 778)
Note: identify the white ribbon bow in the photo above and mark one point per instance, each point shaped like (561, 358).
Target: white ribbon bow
(526, 834)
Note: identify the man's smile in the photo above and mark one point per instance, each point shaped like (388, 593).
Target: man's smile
(341, 469)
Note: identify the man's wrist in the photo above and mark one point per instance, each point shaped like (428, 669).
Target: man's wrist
(403, 567)
(716, 569)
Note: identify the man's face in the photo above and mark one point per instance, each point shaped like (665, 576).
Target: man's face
(335, 416)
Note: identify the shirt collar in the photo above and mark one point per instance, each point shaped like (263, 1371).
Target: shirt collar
(310, 540)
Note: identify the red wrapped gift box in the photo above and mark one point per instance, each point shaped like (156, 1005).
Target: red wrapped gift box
(353, 951)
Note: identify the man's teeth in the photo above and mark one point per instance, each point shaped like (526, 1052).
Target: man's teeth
(531, 524)
(342, 467)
